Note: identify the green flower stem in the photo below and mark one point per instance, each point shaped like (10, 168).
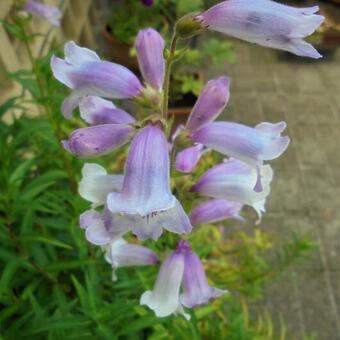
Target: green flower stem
(169, 62)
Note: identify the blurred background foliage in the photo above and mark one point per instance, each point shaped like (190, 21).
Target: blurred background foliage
(55, 285)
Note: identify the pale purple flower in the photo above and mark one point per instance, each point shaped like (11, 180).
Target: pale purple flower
(196, 290)
(187, 159)
(95, 111)
(46, 12)
(181, 268)
(210, 103)
(266, 23)
(123, 254)
(235, 181)
(100, 228)
(216, 210)
(150, 46)
(96, 184)
(251, 145)
(98, 140)
(146, 203)
(164, 299)
(84, 73)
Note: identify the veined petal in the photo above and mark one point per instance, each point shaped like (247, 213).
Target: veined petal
(77, 55)
(150, 47)
(265, 22)
(196, 290)
(96, 184)
(187, 159)
(215, 210)
(234, 180)
(250, 145)
(83, 72)
(99, 228)
(151, 226)
(164, 298)
(96, 111)
(210, 103)
(123, 254)
(98, 140)
(146, 187)
(61, 71)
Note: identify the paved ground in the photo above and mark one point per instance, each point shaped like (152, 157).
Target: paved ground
(266, 85)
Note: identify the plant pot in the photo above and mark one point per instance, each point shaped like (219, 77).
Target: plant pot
(119, 52)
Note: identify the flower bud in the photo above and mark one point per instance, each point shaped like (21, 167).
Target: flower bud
(189, 26)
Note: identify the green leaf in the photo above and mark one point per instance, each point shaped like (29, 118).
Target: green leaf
(8, 273)
(26, 79)
(70, 264)
(45, 240)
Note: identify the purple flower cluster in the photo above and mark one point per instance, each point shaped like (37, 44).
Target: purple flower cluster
(141, 200)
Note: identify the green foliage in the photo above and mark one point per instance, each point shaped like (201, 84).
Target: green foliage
(218, 50)
(55, 285)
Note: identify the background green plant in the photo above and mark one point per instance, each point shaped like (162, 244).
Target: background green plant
(55, 285)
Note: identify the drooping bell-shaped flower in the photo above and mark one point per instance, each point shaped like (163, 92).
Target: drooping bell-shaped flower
(251, 145)
(146, 201)
(196, 290)
(150, 47)
(146, 204)
(210, 103)
(235, 181)
(123, 254)
(96, 184)
(266, 23)
(84, 73)
(96, 111)
(100, 228)
(164, 298)
(216, 210)
(187, 159)
(181, 268)
(98, 140)
(46, 12)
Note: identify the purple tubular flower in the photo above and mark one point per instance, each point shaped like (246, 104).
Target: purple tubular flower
(196, 290)
(216, 210)
(251, 145)
(96, 111)
(146, 203)
(122, 254)
(46, 12)
(235, 181)
(181, 267)
(96, 184)
(150, 46)
(187, 159)
(84, 73)
(266, 23)
(98, 140)
(211, 102)
(164, 298)
(99, 228)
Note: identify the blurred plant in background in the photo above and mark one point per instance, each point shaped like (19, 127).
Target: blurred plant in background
(55, 285)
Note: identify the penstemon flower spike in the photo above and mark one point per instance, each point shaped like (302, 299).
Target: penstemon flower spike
(144, 200)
